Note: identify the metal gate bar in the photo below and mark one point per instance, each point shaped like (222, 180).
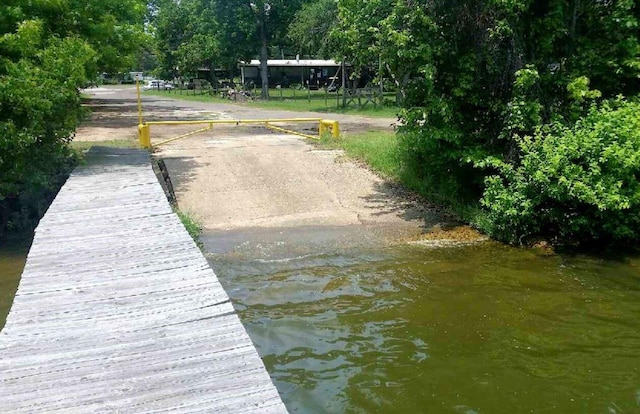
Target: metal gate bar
(324, 126)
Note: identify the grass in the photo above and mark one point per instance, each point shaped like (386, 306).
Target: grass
(298, 103)
(378, 149)
(193, 227)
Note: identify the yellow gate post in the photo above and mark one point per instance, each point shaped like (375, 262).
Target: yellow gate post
(144, 137)
(335, 129)
(325, 124)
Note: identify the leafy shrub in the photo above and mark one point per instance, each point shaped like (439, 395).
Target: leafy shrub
(575, 184)
(436, 154)
(476, 76)
(47, 51)
(39, 110)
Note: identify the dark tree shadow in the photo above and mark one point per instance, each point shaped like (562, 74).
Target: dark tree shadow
(393, 198)
(123, 112)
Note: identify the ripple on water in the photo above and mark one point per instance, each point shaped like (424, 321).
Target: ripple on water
(469, 329)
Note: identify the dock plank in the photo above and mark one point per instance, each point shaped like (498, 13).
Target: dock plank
(118, 311)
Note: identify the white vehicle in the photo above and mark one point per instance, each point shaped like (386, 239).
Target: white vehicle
(157, 85)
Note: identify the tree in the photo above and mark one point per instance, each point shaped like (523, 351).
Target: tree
(479, 76)
(503, 70)
(47, 51)
(113, 29)
(396, 33)
(310, 29)
(187, 35)
(193, 32)
(249, 27)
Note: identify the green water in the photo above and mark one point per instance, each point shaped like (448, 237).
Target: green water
(13, 254)
(480, 329)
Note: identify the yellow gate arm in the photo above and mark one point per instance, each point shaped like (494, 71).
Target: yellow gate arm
(324, 126)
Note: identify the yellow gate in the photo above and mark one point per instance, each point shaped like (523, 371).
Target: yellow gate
(144, 128)
(324, 126)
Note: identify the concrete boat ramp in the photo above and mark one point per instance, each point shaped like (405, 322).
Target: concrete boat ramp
(119, 312)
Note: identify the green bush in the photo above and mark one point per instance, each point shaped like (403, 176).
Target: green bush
(574, 184)
(39, 110)
(47, 51)
(438, 154)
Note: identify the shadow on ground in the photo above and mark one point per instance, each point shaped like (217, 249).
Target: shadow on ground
(123, 113)
(182, 170)
(393, 198)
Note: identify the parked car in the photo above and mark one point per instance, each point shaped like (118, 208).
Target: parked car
(158, 85)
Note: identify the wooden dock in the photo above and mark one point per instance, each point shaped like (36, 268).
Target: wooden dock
(119, 312)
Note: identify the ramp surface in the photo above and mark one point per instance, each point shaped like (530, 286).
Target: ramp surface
(118, 311)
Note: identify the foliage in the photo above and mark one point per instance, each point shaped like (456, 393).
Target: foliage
(193, 227)
(493, 72)
(186, 36)
(577, 183)
(112, 29)
(261, 23)
(310, 29)
(393, 36)
(219, 33)
(47, 51)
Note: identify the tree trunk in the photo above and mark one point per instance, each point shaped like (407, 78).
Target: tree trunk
(401, 92)
(571, 45)
(574, 19)
(264, 55)
(212, 76)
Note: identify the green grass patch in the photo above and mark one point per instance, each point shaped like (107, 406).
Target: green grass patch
(378, 149)
(193, 227)
(301, 102)
(301, 105)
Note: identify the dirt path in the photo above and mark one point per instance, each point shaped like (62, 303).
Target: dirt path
(251, 187)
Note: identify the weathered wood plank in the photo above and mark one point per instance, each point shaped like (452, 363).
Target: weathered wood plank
(118, 311)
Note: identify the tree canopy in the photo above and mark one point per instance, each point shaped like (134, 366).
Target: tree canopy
(391, 36)
(47, 51)
(194, 33)
(187, 36)
(310, 29)
(501, 71)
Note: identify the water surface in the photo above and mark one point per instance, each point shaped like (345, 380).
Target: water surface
(477, 329)
(13, 254)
